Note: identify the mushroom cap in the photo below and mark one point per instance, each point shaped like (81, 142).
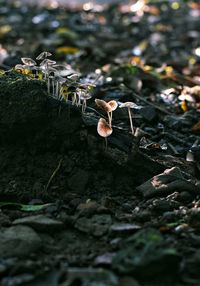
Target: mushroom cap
(28, 61)
(113, 104)
(84, 94)
(19, 66)
(103, 128)
(43, 55)
(47, 62)
(129, 104)
(103, 105)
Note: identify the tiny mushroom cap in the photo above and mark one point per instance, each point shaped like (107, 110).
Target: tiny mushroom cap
(128, 104)
(113, 104)
(48, 62)
(84, 95)
(103, 128)
(103, 105)
(28, 61)
(19, 66)
(43, 55)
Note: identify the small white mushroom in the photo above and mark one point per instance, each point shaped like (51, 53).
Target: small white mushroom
(28, 62)
(45, 66)
(83, 95)
(43, 56)
(58, 81)
(129, 105)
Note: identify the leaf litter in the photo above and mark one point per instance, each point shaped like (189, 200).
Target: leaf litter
(129, 212)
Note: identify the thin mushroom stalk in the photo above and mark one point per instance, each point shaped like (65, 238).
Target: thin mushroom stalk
(131, 120)
(130, 105)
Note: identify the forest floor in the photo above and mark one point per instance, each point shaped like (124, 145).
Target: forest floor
(73, 212)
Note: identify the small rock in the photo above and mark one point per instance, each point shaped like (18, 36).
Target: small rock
(161, 205)
(18, 241)
(124, 228)
(194, 219)
(142, 216)
(104, 260)
(146, 252)
(98, 225)
(170, 216)
(185, 197)
(40, 223)
(90, 208)
(86, 276)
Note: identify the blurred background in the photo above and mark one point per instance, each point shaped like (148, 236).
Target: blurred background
(90, 34)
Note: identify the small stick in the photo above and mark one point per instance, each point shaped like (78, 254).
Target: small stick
(152, 104)
(53, 174)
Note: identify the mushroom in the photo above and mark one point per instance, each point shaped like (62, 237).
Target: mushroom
(59, 81)
(28, 62)
(129, 105)
(45, 66)
(43, 56)
(109, 107)
(29, 65)
(83, 95)
(104, 129)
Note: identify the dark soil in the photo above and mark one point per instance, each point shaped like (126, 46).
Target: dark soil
(73, 212)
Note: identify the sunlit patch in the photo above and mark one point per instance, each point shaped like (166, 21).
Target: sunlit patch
(169, 70)
(109, 79)
(4, 29)
(67, 50)
(197, 52)
(3, 54)
(191, 61)
(138, 6)
(175, 5)
(147, 68)
(88, 6)
(98, 71)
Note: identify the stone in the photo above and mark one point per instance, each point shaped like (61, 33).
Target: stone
(146, 252)
(19, 241)
(40, 223)
(124, 228)
(90, 276)
(98, 225)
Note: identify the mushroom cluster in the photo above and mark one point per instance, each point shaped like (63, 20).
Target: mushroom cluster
(61, 80)
(62, 84)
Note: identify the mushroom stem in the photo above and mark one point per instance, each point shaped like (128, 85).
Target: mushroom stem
(131, 120)
(106, 143)
(84, 105)
(48, 85)
(109, 118)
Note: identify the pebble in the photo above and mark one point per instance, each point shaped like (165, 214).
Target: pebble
(40, 223)
(18, 241)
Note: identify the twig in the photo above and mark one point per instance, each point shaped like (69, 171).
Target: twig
(53, 174)
(150, 103)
